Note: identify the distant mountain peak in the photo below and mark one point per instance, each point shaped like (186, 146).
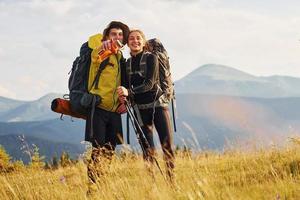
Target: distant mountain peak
(220, 72)
(38, 109)
(50, 96)
(224, 80)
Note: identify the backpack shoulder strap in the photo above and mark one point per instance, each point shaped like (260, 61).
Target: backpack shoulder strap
(103, 64)
(143, 63)
(128, 71)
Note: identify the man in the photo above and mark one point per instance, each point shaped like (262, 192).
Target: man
(103, 124)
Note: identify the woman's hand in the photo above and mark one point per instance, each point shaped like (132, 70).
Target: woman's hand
(121, 109)
(122, 91)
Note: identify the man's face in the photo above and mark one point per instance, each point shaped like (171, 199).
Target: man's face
(116, 34)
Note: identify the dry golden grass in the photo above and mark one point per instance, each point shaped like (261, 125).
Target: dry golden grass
(259, 174)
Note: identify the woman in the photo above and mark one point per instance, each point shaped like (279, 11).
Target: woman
(140, 84)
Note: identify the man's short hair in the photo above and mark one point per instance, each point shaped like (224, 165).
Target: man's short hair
(118, 25)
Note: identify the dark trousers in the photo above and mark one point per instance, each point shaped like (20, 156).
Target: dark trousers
(107, 128)
(105, 135)
(160, 116)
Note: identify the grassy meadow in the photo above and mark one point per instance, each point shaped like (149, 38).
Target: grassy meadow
(272, 173)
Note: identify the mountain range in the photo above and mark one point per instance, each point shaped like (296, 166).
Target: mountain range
(16, 111)
(216, 105)
(223, 80)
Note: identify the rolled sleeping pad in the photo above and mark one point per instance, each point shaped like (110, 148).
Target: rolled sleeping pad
(63, 106)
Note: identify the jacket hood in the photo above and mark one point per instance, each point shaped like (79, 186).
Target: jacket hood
(95, 41)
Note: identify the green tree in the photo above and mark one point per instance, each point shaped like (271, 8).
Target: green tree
(18, 165)
(47, 165)
(186, 151)
(177, 149)
(65, 159)
(5, 164)
(55, 163)
(36, 159)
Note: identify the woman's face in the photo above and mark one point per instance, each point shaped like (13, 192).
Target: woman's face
(135, 42)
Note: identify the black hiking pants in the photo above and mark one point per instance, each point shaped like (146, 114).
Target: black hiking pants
(107, 128)
(160, 117)
(107, 133)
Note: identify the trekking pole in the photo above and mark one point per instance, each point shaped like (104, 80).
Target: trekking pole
(134, 121)
(174, 110)
(174, 113)
(137, 129)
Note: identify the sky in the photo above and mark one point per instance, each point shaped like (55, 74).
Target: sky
(41, 38)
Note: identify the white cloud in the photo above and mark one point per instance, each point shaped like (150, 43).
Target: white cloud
(60, 8)
(41, 38)
(1, 52)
